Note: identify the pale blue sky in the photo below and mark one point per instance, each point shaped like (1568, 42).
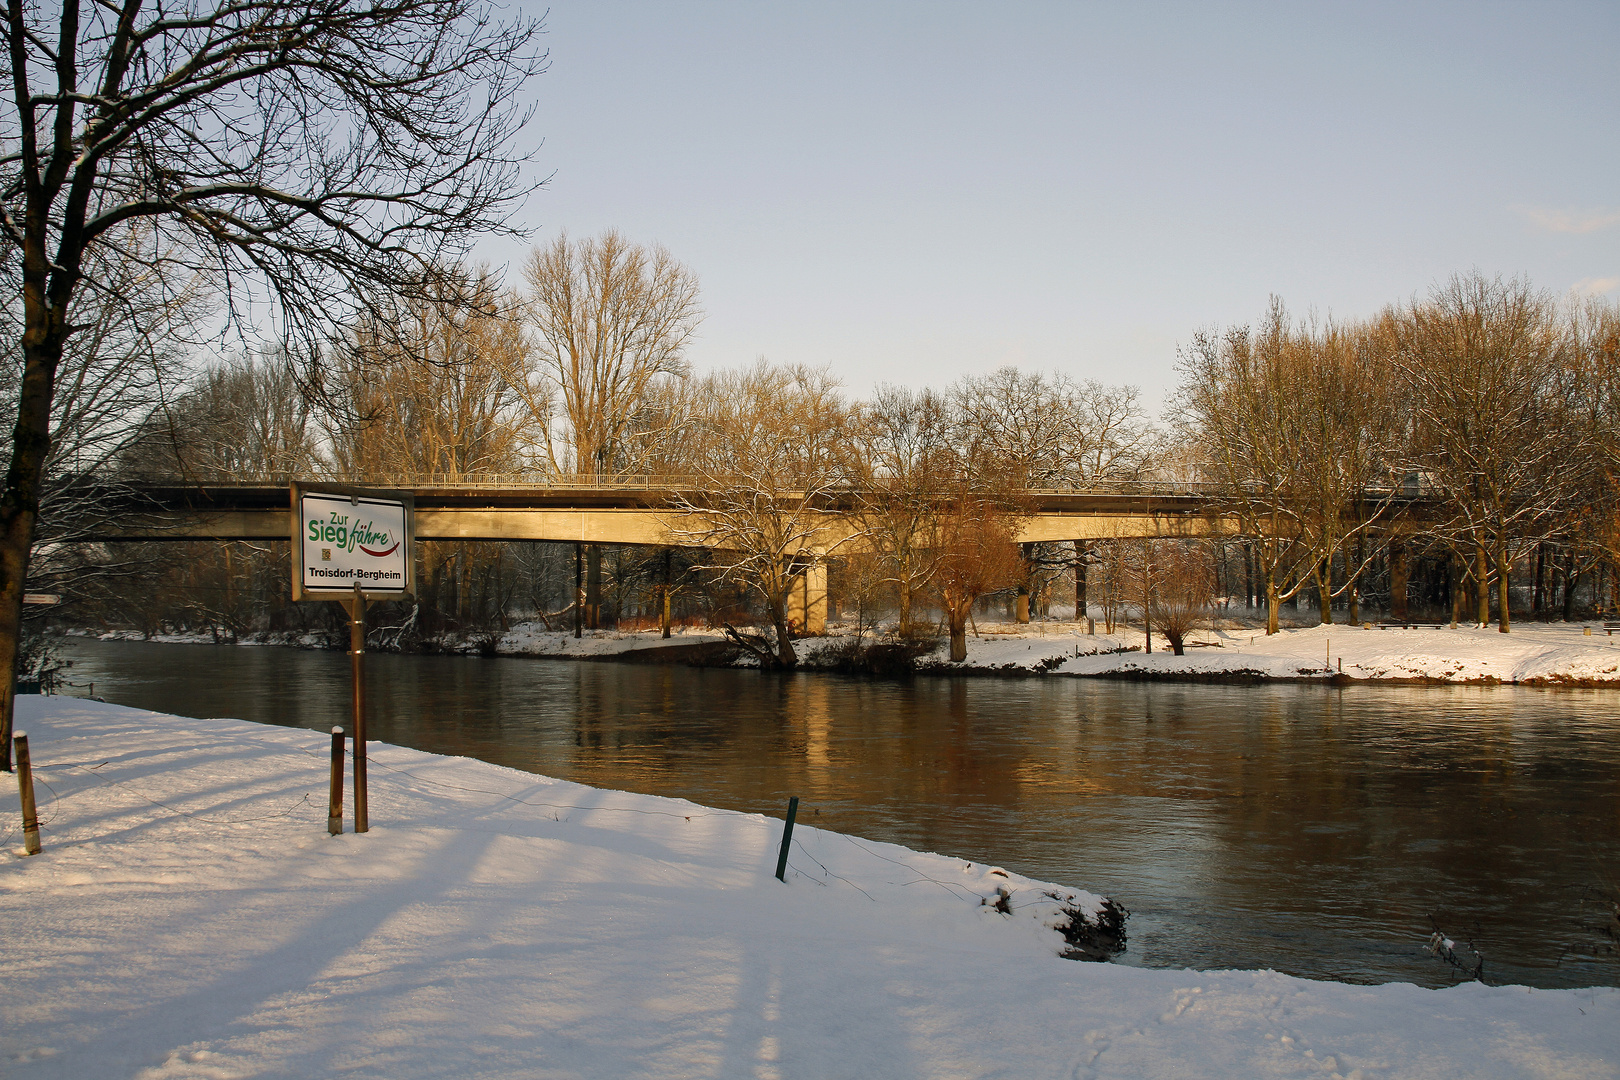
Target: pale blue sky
(911, 192)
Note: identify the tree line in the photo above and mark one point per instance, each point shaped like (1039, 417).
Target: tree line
(1474, 428)
(580, 374)
(1424, 455)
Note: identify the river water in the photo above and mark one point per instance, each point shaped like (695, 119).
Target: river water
(1313, 830)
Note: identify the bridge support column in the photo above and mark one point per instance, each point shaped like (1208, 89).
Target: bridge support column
(807, 602)
(1397, 577)
(1022, 601)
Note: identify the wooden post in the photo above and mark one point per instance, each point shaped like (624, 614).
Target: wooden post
(334, 810)
(787, 838)
(357, 658)
(25, 790)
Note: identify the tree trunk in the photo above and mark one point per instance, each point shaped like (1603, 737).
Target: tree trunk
(1081, 601)
(1249, 595)
(1482, 583)
(464, 585)
(1353, 590)
(579, 589)
(593, 586)
(1021, 601)
(1455, 580)
(663, 623)
(1503, 568)
(19, 502)
(1572, 581)
(956, 617)
(1273, 604)
(1324, 592)
(1397, 577)
(1536, 601)
(785, 656)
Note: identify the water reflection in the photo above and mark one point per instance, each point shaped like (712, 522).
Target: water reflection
(1311, 830)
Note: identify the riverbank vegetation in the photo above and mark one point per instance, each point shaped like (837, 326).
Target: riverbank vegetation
(1450, 460)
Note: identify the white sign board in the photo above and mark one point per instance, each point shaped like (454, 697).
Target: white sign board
(343, 539)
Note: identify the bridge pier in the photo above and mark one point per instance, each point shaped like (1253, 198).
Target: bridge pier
(807, 600)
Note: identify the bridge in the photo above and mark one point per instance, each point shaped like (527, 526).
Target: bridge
(650, 511)
(621, 510)
(637, 510)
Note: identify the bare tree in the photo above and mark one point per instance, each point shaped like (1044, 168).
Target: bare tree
(126, 360)
(1231, 407)
(1104, 434)
(297, 151)
(423, 395)
(1293, 423)
(1013, 418)
(611, 319)
(1178, 583)
(907, 463)
(241, 419)
(1485, 367)
(421, 389)
(770, 454)
(976, 554)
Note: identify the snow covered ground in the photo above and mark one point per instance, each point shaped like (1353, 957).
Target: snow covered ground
(191, 918)
(1534, 653)
(523, 639)
(531, 639)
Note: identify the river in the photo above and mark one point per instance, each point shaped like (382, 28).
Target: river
(1313, 830)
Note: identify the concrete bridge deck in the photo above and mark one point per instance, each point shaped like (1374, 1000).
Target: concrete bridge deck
(617, 514)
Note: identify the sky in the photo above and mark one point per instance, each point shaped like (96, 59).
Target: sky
(908, 193)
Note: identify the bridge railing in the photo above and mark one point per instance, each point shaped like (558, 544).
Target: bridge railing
(633, 482)
(1410, 488)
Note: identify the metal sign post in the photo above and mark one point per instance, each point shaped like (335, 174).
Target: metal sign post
(357, 665)
(354, 547)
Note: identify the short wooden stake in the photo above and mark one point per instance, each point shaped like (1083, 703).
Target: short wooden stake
(787, 838)
(334, 809)
(25, 789)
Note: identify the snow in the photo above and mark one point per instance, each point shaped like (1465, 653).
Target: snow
(523, 639)
(1533, 653)
(191, 918)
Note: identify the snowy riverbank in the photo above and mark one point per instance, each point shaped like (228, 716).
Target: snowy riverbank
(191, 918)
(1534, 654)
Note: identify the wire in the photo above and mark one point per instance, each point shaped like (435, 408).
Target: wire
(824, 870)
(124, 784)
(955, 888)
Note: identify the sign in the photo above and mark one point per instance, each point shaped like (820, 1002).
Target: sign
(340, 538)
